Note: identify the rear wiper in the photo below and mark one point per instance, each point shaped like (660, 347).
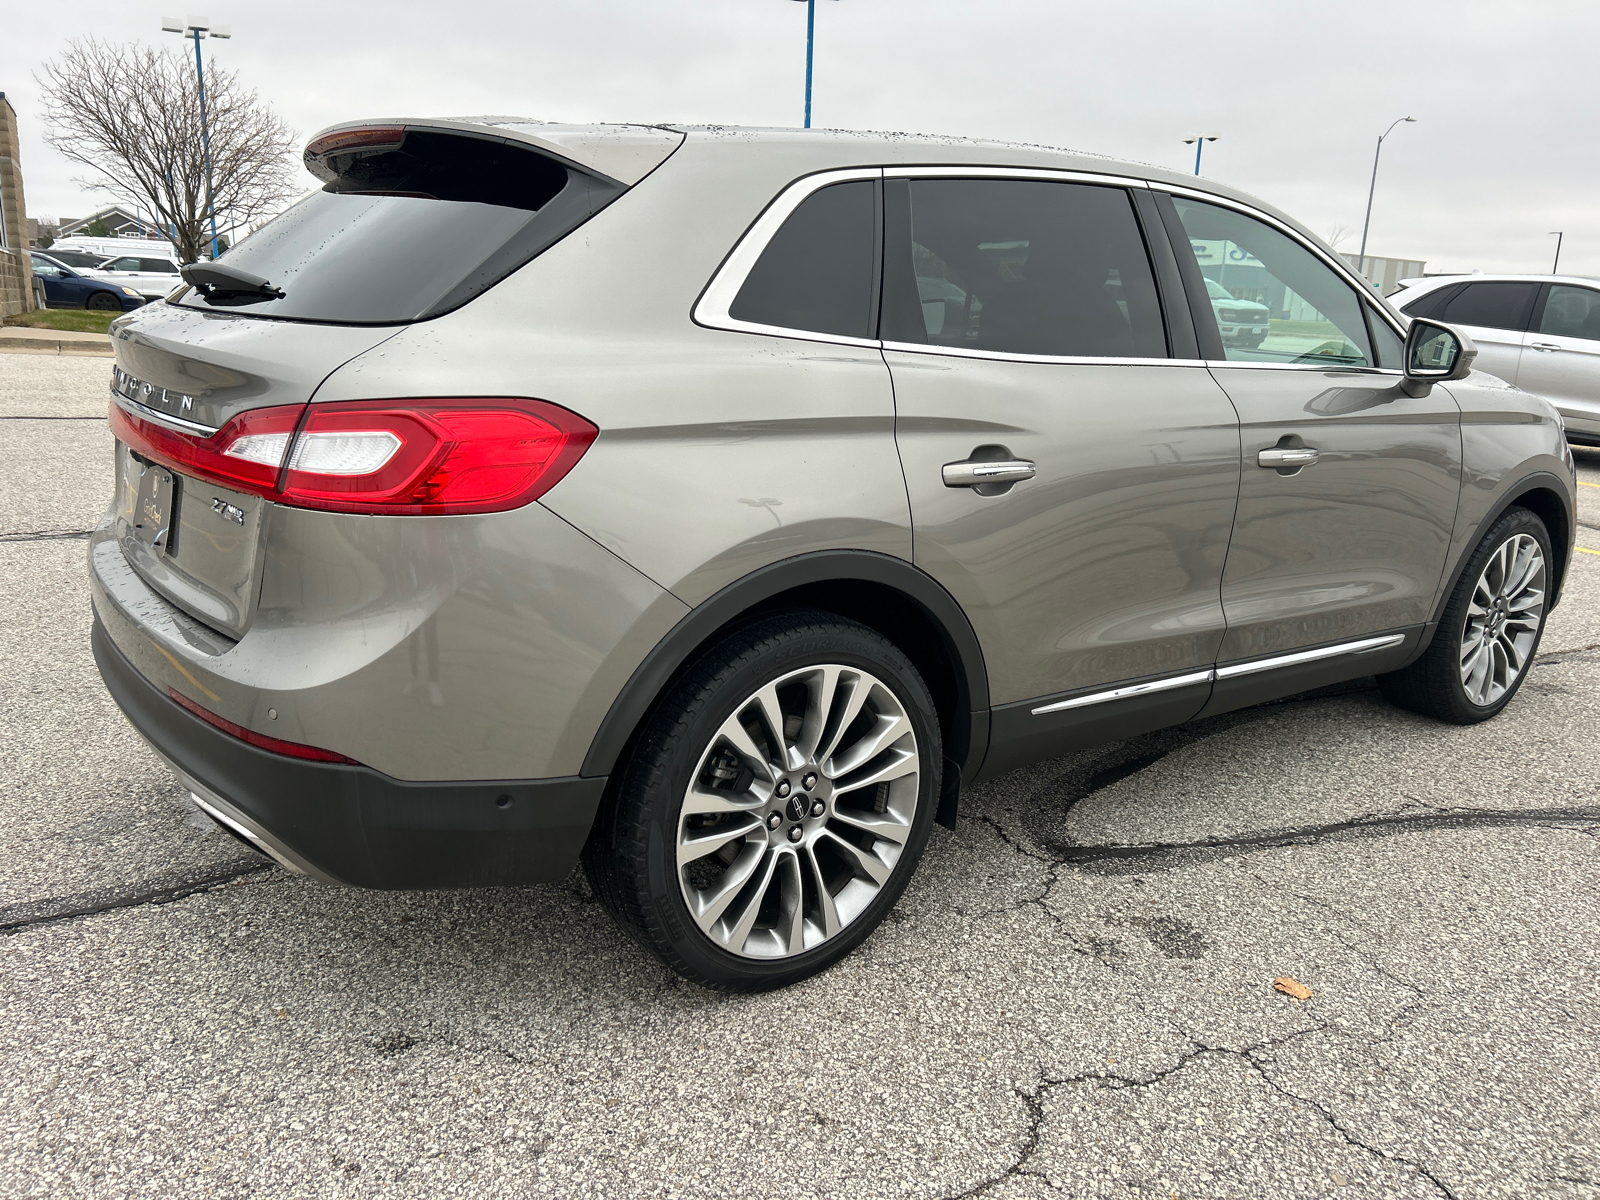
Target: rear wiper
(219, 279)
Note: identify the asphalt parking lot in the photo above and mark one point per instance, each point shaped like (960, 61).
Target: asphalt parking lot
(1074, 998)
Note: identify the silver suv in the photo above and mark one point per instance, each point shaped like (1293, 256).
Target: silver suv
(714, 504)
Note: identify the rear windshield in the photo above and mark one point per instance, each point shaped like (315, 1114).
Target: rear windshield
(402, 233)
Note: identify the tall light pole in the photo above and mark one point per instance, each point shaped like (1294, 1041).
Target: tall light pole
(1557, 262)
(199, 27)
(811, 33)
(1199, 141)
(1372, 187)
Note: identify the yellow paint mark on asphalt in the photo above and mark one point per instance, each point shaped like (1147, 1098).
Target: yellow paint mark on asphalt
(1586, 550)
(1581, 483)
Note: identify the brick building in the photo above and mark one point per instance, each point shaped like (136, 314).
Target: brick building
(16, 269)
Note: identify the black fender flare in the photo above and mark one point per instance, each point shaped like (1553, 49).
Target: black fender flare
(650, 679)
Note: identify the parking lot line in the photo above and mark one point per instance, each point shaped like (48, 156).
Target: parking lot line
(1582, 483)
(1585, 550)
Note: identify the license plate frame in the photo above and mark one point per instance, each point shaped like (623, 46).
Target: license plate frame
(155, 507)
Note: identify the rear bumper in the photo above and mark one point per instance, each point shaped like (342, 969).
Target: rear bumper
(356, 826)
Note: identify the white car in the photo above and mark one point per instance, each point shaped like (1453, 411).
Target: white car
(1540, 332)
(152, 276)
(1241, 322)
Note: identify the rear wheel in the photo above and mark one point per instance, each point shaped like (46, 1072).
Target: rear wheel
(1490, 629)
(775, 806)
(103, 302)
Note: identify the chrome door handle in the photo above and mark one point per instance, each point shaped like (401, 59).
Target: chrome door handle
(1545, 346)
(1286, 458)
(971, 474)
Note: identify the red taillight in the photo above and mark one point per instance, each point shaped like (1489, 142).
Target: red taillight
(259, 740)
(418, 458)
(246, 453)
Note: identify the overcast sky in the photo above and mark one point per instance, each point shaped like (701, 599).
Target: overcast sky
(1503, 151)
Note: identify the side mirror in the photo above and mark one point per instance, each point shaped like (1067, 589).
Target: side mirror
(1435, 353)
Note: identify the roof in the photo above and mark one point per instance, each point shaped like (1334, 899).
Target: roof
(1430, 281)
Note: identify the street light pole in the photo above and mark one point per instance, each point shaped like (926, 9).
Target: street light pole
(199, 27)
(1557, 262)
(1199, 140)
(811, 33)
(1371, 188)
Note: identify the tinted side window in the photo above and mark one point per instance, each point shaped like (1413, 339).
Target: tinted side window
(1571, 312)
(123, 264)
(1314, 316)
(1018, 267)
(1490, 305)
(157, 266)
(1429, 303)
(819, 270)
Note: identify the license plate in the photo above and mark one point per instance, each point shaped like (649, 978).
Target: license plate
(154, 504)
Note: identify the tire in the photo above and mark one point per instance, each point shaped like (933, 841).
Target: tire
(103, 302)
(816, 882)
(1489, 633)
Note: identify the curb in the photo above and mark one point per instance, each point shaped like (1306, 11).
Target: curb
(99, 347)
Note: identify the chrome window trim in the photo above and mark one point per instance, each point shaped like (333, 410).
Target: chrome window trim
(1003, 356)
(1214, 674)
(1361, 646)
(1134, 689)
(711, 310)
(176, 424)
(1271, 366)
(1049, 175)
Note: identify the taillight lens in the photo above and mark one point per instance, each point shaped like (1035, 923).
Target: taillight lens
(425, 458)
(259, 740)
(245, 454)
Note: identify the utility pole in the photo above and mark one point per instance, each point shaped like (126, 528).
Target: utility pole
(199, 27)
(811, 33)
(1557, 262)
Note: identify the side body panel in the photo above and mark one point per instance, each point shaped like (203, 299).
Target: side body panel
(1106, 565)
(1566, 372)
(1356, 542)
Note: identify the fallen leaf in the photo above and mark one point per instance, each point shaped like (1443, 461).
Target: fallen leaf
(1290, 986)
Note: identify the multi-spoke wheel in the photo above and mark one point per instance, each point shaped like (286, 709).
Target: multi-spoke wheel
(1489, 631)
(1504, 616)
(776, 805)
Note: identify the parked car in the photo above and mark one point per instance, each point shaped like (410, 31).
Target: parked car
(151, 276)
(1540, 332)
(65, 287)
(76, 259)
(113, 247)
(1241, 322)
(720, 547)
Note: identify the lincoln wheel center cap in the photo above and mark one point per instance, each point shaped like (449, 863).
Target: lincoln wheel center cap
(797, 808)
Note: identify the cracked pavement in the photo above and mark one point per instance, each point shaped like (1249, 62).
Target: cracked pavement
(1074, 998)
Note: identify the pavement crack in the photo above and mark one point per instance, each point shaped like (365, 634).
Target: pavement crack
(46, 535)
(162, 890)
(1073, 854)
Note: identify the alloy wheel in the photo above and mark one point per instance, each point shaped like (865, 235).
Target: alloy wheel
(1503, 618)
(797, 812)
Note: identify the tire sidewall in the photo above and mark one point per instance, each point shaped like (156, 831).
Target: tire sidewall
(711, 695)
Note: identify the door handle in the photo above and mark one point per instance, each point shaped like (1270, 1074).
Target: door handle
(972, 474)
(1545, 346)
(1287, 458)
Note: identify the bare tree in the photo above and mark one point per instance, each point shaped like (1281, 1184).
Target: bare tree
(131, 114)
(1336, 234)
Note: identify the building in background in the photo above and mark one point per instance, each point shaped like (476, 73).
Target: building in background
(16, 268)
(41, 231)
(1385, 274)
(119, 222)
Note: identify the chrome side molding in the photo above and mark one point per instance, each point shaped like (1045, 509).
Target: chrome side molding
(1305, 656)
(1134, 689)
(1211, 675)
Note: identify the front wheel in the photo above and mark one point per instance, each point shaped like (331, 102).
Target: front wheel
(1490, 630)
(776, 804)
